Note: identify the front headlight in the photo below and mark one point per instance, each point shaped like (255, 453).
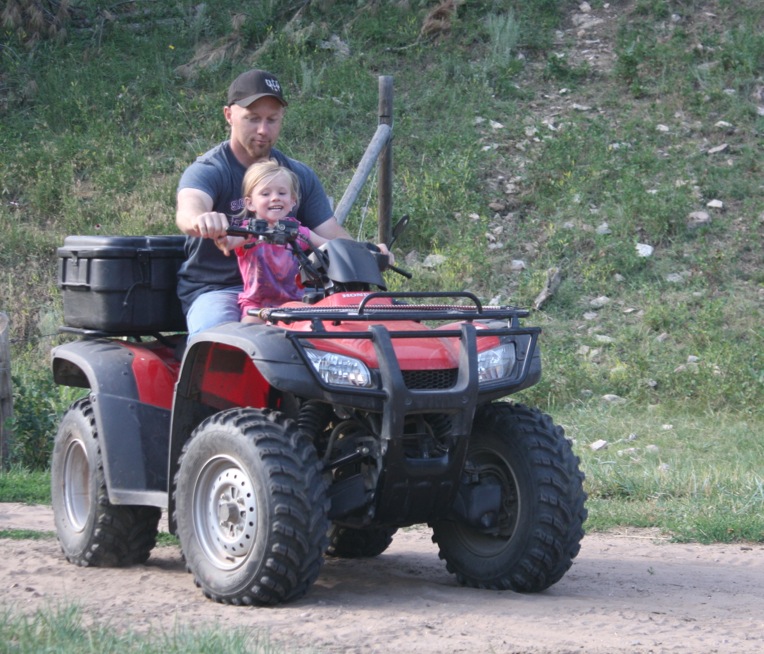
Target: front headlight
(496, 363)
(340, 370)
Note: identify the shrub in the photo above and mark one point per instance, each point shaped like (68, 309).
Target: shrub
(37, 406)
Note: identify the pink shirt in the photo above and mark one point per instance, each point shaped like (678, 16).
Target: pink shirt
(270, 275)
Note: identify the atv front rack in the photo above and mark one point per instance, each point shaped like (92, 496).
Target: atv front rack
(387, 323)
(400, 309)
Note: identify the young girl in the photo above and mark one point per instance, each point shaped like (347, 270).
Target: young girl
(269, 271)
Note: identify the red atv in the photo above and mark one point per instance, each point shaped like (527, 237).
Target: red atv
(321, 432)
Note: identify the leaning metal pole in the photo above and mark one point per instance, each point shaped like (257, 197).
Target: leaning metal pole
(380, 148)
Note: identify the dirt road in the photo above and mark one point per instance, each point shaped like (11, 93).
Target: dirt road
(627, 592)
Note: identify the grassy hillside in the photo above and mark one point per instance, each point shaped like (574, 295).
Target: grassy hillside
(534, 140)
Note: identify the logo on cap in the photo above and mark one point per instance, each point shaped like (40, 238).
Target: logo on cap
(253, 85)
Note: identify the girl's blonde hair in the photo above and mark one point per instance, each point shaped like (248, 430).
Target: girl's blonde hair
(263, 172)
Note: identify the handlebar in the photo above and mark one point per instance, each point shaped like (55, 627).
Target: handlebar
(386, 262)
(287, 231)
(283, 232)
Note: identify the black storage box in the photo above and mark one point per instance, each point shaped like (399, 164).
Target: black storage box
(122, 284)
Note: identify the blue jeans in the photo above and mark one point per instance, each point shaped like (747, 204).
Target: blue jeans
(214, 308)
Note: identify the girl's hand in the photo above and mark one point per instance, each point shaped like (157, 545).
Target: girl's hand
(227, 244)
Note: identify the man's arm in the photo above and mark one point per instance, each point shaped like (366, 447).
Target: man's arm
(194, 215)
(330, 229)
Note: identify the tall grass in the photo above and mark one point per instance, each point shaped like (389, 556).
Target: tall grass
(22, 484)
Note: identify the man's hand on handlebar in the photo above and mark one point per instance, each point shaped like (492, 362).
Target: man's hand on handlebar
(381, 250)
(385, 250)
(213, 225)
(210, 224)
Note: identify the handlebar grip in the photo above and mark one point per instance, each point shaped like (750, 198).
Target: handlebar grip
(373, 247)
(400, 271)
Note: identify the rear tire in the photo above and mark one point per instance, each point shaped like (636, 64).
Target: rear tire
(540, 525)
(91, 530)
(348, 543)
(251, 508)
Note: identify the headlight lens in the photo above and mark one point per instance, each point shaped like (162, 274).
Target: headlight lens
(496, 363)
(340, 370)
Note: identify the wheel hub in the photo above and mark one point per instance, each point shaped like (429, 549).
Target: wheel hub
(226, 512)
(77, 485)
(236, 528)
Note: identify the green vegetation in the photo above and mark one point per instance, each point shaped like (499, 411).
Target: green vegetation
(696, 477)
(26, 534)
(25, 485)
(68, 631)
(516, 140)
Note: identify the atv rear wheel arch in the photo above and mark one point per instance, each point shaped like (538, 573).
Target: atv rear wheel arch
(132, 431)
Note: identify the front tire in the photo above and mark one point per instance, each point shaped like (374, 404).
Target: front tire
(91, 530)
(540, 525)
(251, 508)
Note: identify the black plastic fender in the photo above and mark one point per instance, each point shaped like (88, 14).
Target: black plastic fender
(133, 435)
(231, 365)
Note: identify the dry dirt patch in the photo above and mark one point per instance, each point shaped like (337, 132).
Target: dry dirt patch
(626, 592)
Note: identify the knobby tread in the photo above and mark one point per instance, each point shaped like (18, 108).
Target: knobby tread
(296, 537)
(117, 535)
(349, 543)
(545, 550)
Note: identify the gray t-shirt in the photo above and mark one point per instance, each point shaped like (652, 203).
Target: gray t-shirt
(220, 174)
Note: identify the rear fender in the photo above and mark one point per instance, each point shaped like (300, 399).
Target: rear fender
(132, 415)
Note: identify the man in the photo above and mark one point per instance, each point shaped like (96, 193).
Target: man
(209, 192)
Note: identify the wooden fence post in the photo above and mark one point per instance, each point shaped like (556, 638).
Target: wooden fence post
(385, 179)
(6, 393)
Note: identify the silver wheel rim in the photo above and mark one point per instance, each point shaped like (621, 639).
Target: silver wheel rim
(225, 512)
(77, 485)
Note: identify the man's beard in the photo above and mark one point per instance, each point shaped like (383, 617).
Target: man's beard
(258, 152)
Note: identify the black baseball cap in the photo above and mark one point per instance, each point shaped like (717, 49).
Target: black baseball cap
(253, 85)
